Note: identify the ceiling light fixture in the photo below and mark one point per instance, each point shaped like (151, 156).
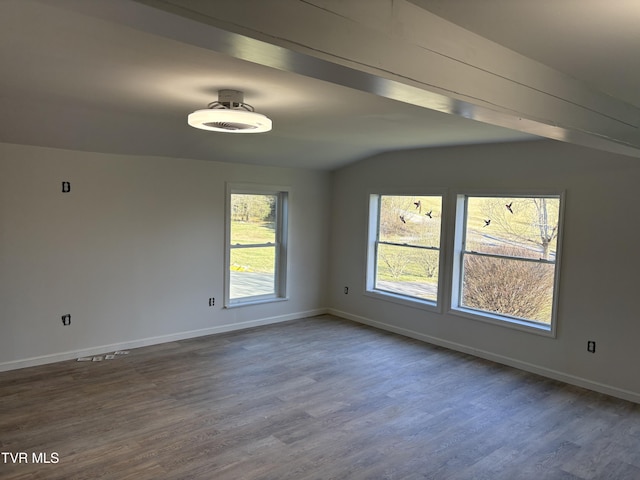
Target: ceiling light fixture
(230, 115)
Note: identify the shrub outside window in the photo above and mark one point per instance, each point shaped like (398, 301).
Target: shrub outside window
(506, 265)
(404, 246)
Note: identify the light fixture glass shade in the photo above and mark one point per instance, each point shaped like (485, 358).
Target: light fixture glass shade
(229, 121)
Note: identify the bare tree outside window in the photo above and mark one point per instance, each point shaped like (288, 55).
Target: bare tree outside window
(257, 225)
(509, 255)
(408, 245)
(528, 223)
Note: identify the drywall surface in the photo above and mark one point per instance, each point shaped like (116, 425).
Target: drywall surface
(600, 263)
(135, 250)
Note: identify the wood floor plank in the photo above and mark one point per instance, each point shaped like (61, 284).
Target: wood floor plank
(318, 398)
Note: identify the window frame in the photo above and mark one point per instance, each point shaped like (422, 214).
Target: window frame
(374, 199)
(280, 244)
(457, 270)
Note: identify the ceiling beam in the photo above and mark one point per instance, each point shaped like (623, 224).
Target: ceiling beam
(394, 49)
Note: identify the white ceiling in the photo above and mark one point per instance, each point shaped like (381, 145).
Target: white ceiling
(75, 81)
(596, 41)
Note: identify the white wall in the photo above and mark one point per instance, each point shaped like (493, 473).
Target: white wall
(599, 286)
(134, 251)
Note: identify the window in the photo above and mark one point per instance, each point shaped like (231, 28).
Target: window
(404, 247)
(256, 245)
(505, 267)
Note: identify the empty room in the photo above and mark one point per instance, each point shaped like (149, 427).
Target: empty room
(319, 239)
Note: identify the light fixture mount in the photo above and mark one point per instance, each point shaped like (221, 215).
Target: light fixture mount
(229, 114)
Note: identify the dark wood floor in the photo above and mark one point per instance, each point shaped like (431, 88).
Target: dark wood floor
(319, 398)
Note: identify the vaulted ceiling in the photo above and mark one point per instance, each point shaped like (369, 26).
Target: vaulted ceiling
(341, 80)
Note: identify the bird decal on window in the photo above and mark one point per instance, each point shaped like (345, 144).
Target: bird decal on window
(418, 205)
(487, 222)
(428, 214)
(508, 205)
(402, 218)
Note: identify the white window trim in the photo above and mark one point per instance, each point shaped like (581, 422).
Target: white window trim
(282, 240)
(371, 252)
(456, 279)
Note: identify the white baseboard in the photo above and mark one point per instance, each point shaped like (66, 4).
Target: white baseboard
(511, 362)
(144, 342)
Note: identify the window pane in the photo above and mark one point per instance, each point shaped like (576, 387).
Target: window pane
(516, 288)
(252, 271)
(414, 220)
(526, 225)
(253, 219)
(408, 271)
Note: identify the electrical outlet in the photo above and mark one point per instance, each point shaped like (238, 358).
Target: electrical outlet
(591, 346)
(346, 290)
(212, 302)
(66, 319)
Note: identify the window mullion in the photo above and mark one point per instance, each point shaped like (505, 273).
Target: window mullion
(424, 247)
(254, 245)
(507, 257)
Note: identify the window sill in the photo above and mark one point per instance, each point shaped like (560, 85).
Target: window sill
(412, 302)
(257, 301)
(522, 325)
